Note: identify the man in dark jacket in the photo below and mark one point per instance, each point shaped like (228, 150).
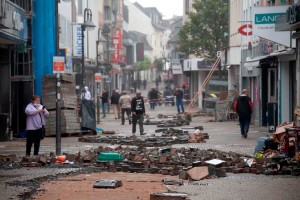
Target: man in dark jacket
(104, 99)
(138, 112)
(153, 96)
(243, 107)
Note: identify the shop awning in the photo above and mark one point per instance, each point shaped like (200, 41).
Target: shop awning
(285, 52)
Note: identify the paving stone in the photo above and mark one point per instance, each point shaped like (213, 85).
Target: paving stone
(198, 173)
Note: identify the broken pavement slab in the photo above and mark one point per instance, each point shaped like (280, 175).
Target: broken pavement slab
(214, 162)
(107, 183)
(198, 173)
(168, 196)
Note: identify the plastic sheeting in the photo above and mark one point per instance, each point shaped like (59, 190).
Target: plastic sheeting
(88, 115)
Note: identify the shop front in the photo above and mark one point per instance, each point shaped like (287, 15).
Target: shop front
(16, 80)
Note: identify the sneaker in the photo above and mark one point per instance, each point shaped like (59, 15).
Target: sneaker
(143, 133)
(245, 135)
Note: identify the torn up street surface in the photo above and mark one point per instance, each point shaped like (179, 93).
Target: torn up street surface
(177, 159)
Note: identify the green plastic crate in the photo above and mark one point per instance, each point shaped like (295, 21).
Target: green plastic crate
(110, 156)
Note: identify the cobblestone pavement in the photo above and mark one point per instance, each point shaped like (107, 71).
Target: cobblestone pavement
(224, 136)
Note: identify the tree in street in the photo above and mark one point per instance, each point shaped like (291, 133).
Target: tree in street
(158, 63)
(207, 30)
(142, 65)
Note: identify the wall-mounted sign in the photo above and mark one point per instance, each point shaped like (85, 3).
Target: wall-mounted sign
(264, 19)
(117, 42)
(245, 29)
(293, 14)
(77, 40)
(14, 24)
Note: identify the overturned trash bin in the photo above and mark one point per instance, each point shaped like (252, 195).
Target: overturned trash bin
(168, 196)
(107, 183)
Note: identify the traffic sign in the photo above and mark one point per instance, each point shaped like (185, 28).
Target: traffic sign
(58, 64)
(98, 77)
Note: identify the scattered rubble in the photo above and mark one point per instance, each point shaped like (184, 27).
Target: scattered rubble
(176, 121)
(169, 136)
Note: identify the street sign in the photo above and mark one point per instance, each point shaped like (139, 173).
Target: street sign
(108, 80)
(245, 29)
(98, 77)
(58, 64)
(105, 76)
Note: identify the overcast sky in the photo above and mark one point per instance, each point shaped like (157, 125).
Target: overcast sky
(168, 8)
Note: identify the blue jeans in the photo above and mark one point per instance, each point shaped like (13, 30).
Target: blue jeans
(152, 104)
(244, 123)
(179, 104)
(104, 107)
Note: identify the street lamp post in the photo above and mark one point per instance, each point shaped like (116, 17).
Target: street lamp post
(58, 89)
(100, 40)
(86, 25)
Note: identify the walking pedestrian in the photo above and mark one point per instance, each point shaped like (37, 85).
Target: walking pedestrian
(153, 96)
(243, 107)
(35, 122)
(125, 104)
(179, 97)
(145, 83)
(104, 99)
(157, 83)
(138, 112)
(114, 100)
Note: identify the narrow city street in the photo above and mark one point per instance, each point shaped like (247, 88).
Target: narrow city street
(210, 90)
(77, 183)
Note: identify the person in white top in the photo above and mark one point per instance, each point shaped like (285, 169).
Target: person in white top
(86, 94)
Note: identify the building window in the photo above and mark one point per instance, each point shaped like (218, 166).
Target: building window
(79, 7)
(187, 6)
(125, 14)
(107, 13)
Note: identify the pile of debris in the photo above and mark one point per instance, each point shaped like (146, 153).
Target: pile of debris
(9, 162)
(136, 141)
(170, 161)
(175, 121)
(169, 136)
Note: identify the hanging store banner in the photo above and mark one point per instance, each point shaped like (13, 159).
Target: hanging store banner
(117, 44)
(77, 40)
(264, 20)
